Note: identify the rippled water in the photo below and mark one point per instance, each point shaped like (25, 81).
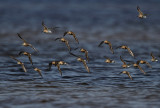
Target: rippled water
(92, 21)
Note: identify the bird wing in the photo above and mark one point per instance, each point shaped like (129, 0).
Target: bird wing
(14, 58)
(67, 43)
(20, 52)
(85, 65)
(86, 54)
(58, 66)
(50, 65)
(122, 60)
(30, 59)
(153, 57)
(23, 67)
(129, 50)
(129, 75)
(148, 64)
(65, 33)
(21, 37)
(74, 55)
(75, 37)
(39, 71)
(101, 43)
(33, 48)
(138, 9)
(44, 25)
(110, 46)
(140, 68)
(57, 39)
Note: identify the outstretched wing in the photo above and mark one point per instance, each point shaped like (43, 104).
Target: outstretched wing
(21, 37)
(138, 9)
(65, 33)
(33, 48)
(86, 54)
(153, 57)
(129, 75)
(100, 43)
(50, 65)
(67, 43)
(129, 50)
(85, 65)
(30, 59)
(140, 68)
(58, 66)
(75, 37)
(122, 60)
(148, 64)
(57, 39)
(74, 55)
(23, 67)
(44, 25)
(14, 58)
(20, 52)
(110, 46)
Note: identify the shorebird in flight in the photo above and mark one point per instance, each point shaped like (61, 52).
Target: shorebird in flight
(139, 67)
(86, 53)
(108, 60)
(57, 64)
(124, 63)
(20, 63)
(153, 58)
(26, 44)
(126, 47)
(144, 62)
(141, 15)
(27, 54)
(71, 33)
(83, 61)
(39, 71)
(48, 30)
(107, 42)
(65, 41)
(126, 72)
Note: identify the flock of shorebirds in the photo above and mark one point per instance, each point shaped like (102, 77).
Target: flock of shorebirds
(80, 59)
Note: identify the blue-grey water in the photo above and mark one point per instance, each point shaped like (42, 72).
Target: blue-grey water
(92, 21)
